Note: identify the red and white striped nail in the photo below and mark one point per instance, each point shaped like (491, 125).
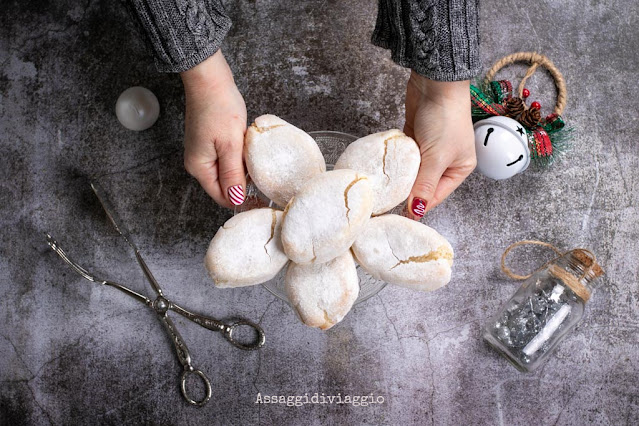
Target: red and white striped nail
(418, 207)
(236, 194)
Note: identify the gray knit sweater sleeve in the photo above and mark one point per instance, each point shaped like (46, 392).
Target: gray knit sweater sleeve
(438, 39)
(182, 33)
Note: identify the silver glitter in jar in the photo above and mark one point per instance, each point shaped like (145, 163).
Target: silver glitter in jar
(546, 306)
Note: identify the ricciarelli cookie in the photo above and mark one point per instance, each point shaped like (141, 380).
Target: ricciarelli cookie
(404, 252)
(324, 218)
(280, 158)
(391, 161)
(246, 250)
(323, 293)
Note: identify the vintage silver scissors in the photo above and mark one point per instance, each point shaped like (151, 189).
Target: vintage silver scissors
(161, 305)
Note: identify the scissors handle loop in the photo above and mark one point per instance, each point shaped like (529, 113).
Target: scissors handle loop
(256, 344)
(207, 383)
(226, 329)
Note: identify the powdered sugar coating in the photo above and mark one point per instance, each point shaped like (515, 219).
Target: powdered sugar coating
(391, 161)
(324, 218)
(404, 252)
(247, 249)
(280, 158)
(323, 293)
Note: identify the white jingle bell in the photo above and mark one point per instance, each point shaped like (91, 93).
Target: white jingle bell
(501, 145)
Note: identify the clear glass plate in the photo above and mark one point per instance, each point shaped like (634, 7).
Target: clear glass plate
(332, 144)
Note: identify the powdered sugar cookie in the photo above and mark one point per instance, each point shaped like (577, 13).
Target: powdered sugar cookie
(404, 252)
(323, 293)
(247, 249)
(280, 158)
(390, 160)
(323, 219)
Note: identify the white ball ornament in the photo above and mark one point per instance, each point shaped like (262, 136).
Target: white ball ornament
(137, 108)
(502, 148)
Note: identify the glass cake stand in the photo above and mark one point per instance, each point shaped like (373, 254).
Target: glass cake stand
(331, 144)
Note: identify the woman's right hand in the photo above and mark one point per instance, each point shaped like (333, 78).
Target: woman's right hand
(438, 118)
(215, 123)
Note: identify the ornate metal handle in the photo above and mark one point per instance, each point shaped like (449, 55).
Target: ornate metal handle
(206, 322)
(181, 349)
(185, 358)
(259, 341)
(207, 384)
(226, 329)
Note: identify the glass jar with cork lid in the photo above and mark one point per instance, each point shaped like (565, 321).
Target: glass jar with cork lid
(546, 307)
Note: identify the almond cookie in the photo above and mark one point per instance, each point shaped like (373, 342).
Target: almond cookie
(247, 249)
(324, 218)
(280, 158)
(323, 293)
(390, 160)
(404, 252)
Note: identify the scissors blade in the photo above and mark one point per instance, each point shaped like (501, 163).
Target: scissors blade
(91, 277)
(111, 213)
(122, 230)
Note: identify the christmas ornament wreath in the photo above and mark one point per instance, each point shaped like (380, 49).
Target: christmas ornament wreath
(517, 132)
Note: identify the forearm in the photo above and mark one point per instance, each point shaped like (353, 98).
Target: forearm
(442, 92)
(436, 38)
(181, 34)
(210, 75)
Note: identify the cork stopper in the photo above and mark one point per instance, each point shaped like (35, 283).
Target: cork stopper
(570, 281)
(590, 264)
(582, 271)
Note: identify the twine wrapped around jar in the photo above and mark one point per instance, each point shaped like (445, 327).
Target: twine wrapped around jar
(586, 257)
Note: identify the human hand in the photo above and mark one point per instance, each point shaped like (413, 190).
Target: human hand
(438, 118)
(215, 123)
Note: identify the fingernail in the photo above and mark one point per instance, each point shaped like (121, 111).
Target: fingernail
(236, 194)
(418, 207)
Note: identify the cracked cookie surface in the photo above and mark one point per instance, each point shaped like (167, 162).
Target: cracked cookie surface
(323, 219)
(247, 249)
(390, 160)
(404, 252)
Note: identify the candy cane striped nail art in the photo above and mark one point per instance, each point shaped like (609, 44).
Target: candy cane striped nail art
(418, 207)
(236, 194)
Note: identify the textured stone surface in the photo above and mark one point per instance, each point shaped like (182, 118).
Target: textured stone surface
(72, 352)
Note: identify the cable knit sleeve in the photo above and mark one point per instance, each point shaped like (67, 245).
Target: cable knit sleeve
(436, 38)
(182, 33)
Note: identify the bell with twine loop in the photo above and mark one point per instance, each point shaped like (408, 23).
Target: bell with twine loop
(508, 134)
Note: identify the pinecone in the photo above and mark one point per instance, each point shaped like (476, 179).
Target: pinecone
(530, 117)
(515, 107)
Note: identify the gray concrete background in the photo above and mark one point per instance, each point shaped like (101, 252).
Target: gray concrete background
(76, 353)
